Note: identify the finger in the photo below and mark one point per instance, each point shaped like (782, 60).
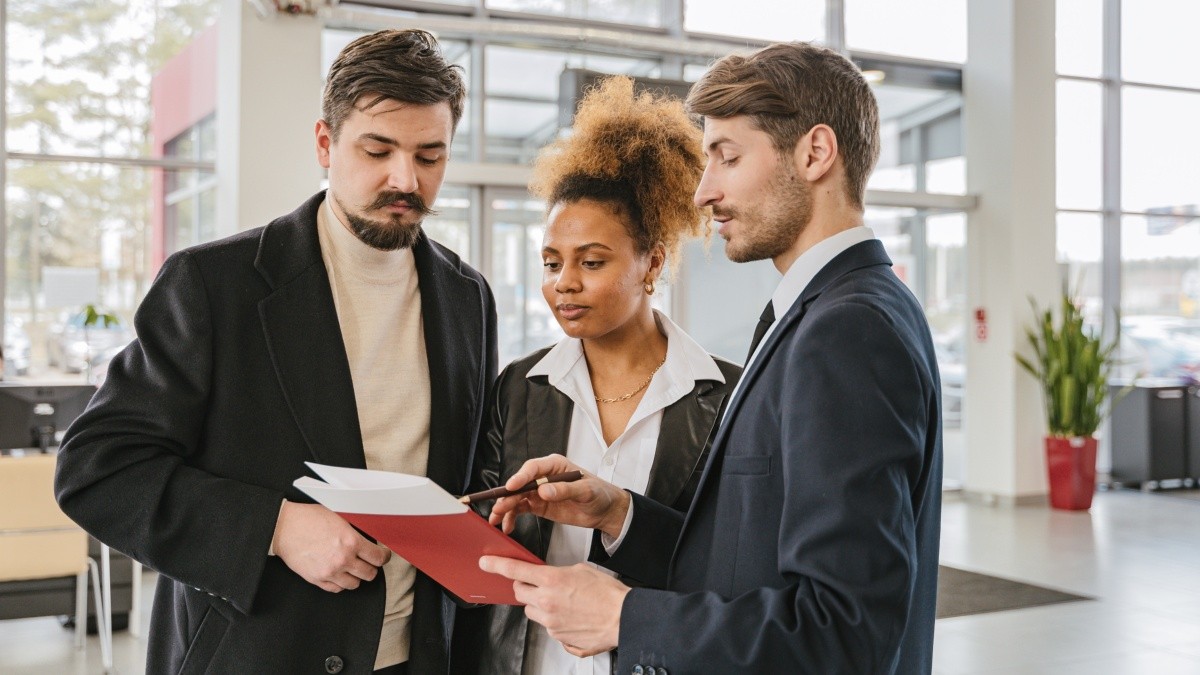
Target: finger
(361, 569)
(327, 586)
(373, 554)
(583, 491)
(538, 467)
(346, 580)
(517, 570)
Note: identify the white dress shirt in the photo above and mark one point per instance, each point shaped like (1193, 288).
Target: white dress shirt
(625, 463)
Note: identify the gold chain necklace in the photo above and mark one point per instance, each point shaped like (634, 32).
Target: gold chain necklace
(640, 387)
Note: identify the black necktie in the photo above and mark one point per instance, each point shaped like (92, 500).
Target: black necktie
(764, 322)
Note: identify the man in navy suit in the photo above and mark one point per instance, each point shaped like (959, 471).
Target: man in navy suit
(812, 543)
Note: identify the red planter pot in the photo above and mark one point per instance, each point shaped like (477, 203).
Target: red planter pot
(1071, 463)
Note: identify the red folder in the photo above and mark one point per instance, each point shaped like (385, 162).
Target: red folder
(422, 523)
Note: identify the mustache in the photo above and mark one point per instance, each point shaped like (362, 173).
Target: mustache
(722, 212)
(414, 201)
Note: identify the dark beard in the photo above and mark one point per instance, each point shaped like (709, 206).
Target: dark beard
(392, 234)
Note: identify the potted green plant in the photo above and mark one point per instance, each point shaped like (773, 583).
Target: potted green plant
(1074, 367)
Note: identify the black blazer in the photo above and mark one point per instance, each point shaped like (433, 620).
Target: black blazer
(529, 418)
(238, 376)
(812, 544)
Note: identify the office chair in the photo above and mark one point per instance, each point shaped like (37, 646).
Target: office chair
(38, 541)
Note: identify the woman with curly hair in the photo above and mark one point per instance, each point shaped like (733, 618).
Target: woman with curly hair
(627, 395)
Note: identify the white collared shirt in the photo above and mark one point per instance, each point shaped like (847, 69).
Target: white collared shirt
(626, 463)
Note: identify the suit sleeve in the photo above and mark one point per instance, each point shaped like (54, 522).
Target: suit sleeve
(127, 466)
(853, 410)
(645, 553)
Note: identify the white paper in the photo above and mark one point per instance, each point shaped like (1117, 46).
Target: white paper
(381, 492)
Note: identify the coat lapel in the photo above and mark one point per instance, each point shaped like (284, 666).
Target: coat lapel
(304, 338)
(455, 327)
(858, 256)
(547, 408)
(686, 426)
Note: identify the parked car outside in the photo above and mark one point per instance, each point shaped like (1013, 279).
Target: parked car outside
(70, 345)
(1160, 347)
(16, 347)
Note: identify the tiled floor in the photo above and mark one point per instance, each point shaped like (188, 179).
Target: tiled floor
(1138, 554)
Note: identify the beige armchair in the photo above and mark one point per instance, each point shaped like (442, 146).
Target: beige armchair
(38, 541)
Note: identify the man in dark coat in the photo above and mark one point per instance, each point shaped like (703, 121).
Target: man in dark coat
(812, 543)
(339, 334)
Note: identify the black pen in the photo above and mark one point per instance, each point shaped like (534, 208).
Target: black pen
(496, 493)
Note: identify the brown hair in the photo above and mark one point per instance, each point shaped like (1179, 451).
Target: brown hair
(400, 65)
(639, 153)
(787, 89)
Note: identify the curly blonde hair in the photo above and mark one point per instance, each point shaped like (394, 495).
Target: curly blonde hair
(639, 153)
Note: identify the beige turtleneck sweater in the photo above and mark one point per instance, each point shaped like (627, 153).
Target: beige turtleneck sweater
(379, 309)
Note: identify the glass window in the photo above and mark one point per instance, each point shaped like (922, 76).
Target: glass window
(1079, 37)
(1079, 145)
(93, 217)
(1079, 247)
(758, 19)
(189, 197)
(925, 29)
(1158, 42)
(516, 130)
(521, 113)
(1160, 146)
(451, 227)
(517, 225)
(83, 82)
(636, 12)
(920, 130)
(946, 176)
(946, 308)
(1160, 295)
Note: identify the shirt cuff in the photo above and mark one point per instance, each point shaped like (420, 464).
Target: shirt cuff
(611, 545)
(271, 547)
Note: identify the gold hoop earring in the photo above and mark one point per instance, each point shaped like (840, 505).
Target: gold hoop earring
(649, 286)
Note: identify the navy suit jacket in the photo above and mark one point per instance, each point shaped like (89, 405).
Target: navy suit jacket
(812, 544)
(238, 376)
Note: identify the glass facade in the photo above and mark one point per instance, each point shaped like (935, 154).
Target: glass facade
(1126, 174)
(514, 108)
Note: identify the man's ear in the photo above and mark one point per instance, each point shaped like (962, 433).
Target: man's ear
(816, 152)
(324, 143)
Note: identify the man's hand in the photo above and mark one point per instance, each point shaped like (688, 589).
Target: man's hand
(579, 605)
(588, 502)
(323, 549)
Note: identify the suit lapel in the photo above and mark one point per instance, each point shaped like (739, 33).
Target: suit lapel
(858, 256)
(304, 338)
(452, 315)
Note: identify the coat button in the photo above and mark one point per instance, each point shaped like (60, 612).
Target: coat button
(651, 670)
(334, 665)
(638, 670)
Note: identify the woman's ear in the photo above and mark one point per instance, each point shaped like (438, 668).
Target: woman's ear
(658, 260)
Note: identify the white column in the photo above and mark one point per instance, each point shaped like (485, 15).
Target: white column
(268, 101)
(1009, 90)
